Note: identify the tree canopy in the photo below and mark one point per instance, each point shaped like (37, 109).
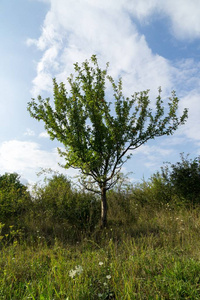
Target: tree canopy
(14, 196)
(98, 135)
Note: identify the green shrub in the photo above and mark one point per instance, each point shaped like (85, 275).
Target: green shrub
(185, 179)
(60, 202)
(14, 198)
(121, 205)
(177, 183)
(154, 192)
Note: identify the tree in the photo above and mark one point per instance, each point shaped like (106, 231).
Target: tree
(14, 197)
(184, 178)
(96, 141)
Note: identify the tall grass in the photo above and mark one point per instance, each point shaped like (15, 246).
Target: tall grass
(146, 252)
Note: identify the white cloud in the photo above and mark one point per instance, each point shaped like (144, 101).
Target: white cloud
(42, 83)
(192, 126)
(183, 15)
(21, 155)
(44, 134)
(27, 158)
(29, 132)
(74, 30)
(174, 140)
(50, 33)
(142, 9)
(152, 152)
(186, 75)
(152, 157)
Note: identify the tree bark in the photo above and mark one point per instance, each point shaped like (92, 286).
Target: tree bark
(104, 208)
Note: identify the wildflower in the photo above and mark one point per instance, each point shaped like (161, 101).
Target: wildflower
(108, 276)
(100, 263)
(78, 270)
(100, 295)
(72, 273)
(105, 284)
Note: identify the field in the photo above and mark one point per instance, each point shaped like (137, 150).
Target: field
(152, 253)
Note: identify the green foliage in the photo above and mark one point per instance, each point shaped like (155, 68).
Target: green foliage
(146, 252)
(95, 141)
(178, 183)
(160, 189)
(122, 204)
(154, 192)
(59, 201)
(14, 197)
(138, 264)
(184, 177)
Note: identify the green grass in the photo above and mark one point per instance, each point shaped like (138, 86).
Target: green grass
(156, 256)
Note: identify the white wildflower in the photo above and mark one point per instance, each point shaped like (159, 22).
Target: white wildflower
(105, 284)
(78, 270)
(72, 273)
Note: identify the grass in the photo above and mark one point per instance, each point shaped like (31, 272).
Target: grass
(156, 256)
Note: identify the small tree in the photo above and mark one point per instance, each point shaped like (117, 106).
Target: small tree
(14, 197)
(97, 142)
(184, 178)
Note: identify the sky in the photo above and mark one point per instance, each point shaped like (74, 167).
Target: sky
(149, 43)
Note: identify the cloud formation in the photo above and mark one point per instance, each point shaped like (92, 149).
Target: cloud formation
(27, 158)
(74, 30)
(44, 134)
(29, 132)
(183, 15)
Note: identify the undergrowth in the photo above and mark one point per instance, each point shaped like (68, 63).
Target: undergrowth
(156, 256)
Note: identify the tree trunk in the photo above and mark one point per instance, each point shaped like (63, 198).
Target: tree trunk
(103, 208)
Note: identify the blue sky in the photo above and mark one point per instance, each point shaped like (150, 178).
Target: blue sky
(150, 43)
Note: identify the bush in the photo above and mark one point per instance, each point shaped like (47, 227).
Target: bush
(14, 198)
(178, 183)
(185, 179)
(58, 201)
(160, 188)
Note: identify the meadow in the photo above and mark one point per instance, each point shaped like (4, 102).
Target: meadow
(55, 250)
